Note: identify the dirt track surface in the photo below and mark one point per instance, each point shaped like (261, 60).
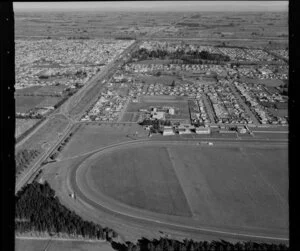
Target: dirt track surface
(141, 222)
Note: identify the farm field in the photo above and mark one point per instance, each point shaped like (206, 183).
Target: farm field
(27, 90)
(41, 90)
(53, 245)
(163, 79)
(135, 107)
(136, 178)
(266, 82)
(203, 26)
(273, 136)
(49, 101)
(180, 105)
(276, 128)
(279, 112)
(94, 136)
(224, 186)
(46, 135)
(26, 103)
(162, 98)
(130, 117)
(22, 125)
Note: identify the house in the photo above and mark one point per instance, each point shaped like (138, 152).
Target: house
(203, 130)
(171, 111)
(185, 128)
(168, 130)
(241, 129)
(158, 115)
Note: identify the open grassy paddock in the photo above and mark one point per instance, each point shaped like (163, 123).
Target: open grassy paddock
(147, 102)
(26, 103)
(46, 135)
(41, 90)
(266, 82)
(130, 117)
(163, 79)
(53, 245)
(93, 136)
(225, 186)
(23, 125)
(28, 90)
(279, 112)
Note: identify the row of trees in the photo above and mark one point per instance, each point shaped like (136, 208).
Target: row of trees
(156, 124)
(23, 159)
(31, 115)
(39, 210)
(190, 56)
(164, 244)
(63, 144)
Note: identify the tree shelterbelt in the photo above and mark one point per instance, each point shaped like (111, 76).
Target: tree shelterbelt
(39, 210)
(189, 56)
(165, 244)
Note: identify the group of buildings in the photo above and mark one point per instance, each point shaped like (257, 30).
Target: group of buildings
(227, 108)
(185, 129)
(198, 112)
(108, 107)
(48, 62)
(259, 100)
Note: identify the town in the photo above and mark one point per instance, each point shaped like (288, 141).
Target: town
(158, 129)
(214, 94)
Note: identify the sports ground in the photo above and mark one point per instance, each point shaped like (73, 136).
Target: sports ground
(234, 190)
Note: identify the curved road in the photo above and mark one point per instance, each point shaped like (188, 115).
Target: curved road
(155, 222)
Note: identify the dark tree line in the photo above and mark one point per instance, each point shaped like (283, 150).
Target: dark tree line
(62, 145)
(189, 56)
(164, 244)
(156, 124)
(38, 209)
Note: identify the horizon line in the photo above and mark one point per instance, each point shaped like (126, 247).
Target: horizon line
(155, 6)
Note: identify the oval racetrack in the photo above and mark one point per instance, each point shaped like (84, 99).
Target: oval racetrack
(189, 188)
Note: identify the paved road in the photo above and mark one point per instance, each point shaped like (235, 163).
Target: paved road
(242, 103)
(209, 109)
(107, 72)
(30, 172)
(141, 219)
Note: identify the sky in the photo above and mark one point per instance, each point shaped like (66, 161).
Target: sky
(155, 6)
